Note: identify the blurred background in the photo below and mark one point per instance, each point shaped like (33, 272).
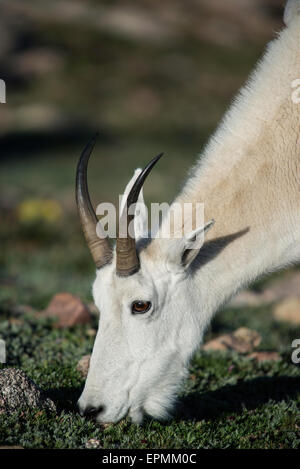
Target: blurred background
(151, 76)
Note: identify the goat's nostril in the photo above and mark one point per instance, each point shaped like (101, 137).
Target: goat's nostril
(90, 412)
(93, 411)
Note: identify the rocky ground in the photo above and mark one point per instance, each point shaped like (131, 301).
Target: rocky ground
(242, 391)
(17, 391)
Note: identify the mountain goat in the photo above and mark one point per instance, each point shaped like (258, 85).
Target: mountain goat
(157, 297)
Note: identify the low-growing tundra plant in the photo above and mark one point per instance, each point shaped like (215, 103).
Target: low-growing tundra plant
(157, 296)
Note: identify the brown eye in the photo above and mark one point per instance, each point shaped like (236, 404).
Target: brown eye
(140, 307)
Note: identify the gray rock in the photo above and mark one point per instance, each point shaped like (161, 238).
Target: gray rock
(18, 391)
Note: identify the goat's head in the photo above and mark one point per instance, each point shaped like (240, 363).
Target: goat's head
(148, 327)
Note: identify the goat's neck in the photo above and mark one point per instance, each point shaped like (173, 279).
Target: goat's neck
(255, 206)
(249, 180)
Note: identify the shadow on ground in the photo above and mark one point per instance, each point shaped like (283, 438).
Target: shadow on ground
(65, 398)
(235, 398)
(209, 405)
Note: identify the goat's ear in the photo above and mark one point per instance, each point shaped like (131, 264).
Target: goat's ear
(141, 212)
(183, 252)
(292, 9)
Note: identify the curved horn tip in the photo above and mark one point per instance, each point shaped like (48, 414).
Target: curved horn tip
(127, 257)
(100, 248)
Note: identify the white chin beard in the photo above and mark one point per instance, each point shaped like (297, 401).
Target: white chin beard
(137, 416)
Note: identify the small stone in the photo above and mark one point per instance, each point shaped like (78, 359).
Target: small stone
(248, 336)
(83, 365)
(93, 443)
(243, 340)
(215, 344)
(265, 356)
(18, 391)
(288, 310)
(68, 309)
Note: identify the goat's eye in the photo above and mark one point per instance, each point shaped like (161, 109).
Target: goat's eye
(140, 307)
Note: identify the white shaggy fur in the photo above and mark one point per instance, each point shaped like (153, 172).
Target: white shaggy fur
(249, 180)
